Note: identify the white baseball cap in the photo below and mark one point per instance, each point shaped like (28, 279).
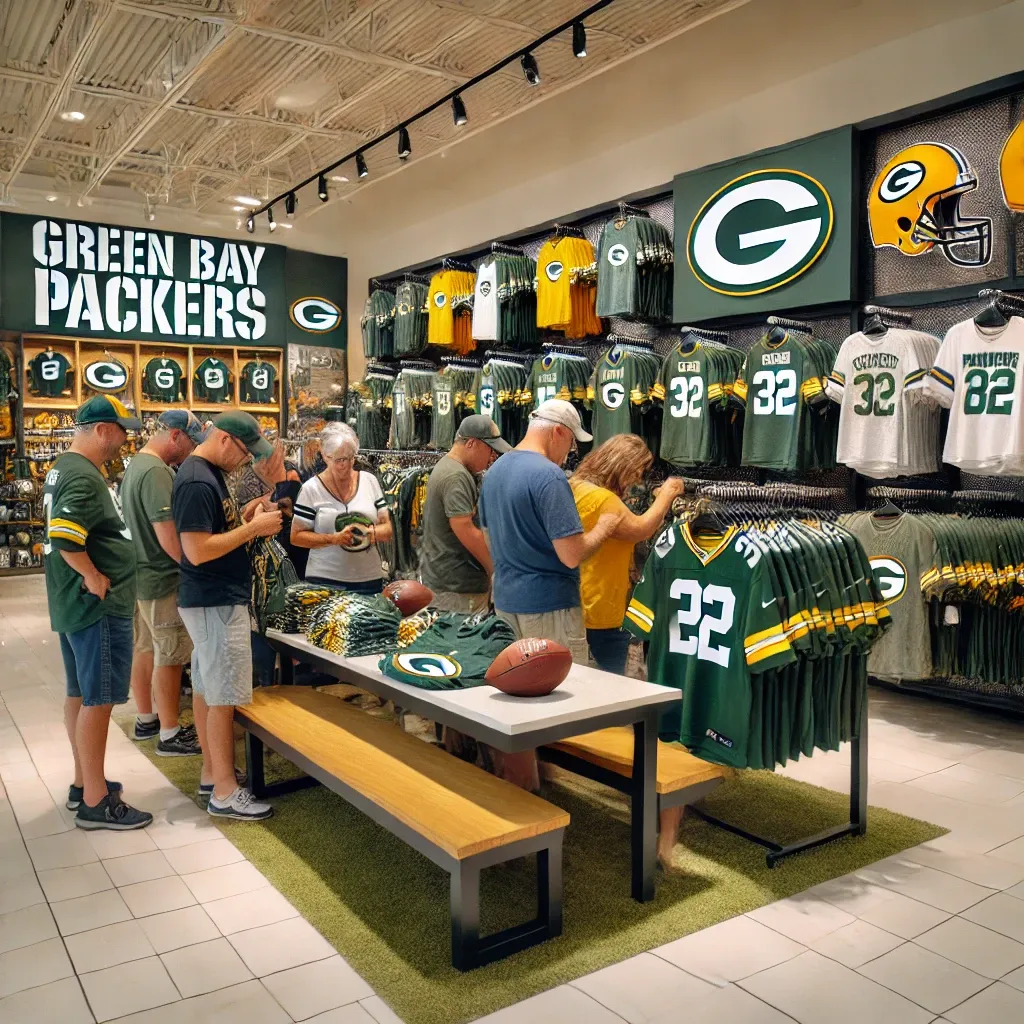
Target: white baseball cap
(554, 410)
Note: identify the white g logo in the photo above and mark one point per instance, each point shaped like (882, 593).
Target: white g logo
(901, 181)
(437, 665)
(612, 394)
(261, 378)
(106, 376)
(554, 270)
(213, 377)
(164, 378)
(618, 254)
(891, 577)
(315, 314)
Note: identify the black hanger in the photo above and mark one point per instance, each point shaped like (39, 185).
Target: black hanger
(568, 231)
(451, 263)
(889, 510)
(706, 333)
(881, 318)
(627, 210)
(507, 250)
(1000, 308)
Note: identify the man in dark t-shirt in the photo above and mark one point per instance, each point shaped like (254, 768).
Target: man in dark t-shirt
(213, 599)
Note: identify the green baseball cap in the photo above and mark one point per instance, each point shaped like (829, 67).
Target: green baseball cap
(106, 409)
(247, 430)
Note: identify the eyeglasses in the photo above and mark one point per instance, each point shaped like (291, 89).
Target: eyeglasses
(339, 458)
(245, 451)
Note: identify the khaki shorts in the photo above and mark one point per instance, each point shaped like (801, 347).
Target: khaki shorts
(464, 604)
(159, 629)
(564, 626)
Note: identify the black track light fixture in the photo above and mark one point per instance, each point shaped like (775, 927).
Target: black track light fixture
(361, 169)
(530, 69)
(270, 218)
(404, 144)
(289, 205)
(250, 223)
(321, 188)
(579, 39)
(459, 115)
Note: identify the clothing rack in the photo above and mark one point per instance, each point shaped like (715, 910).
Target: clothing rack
(1013, 302)
(629, 210)
(792, 325)
(568, 231)
(451, 263)
(706, 333)
(509, 356)
(415, 279)
(417, 364)
(379, 284)
(565, 348)
(507, 249)
(466, 361)
(626, 339)
(781, 494)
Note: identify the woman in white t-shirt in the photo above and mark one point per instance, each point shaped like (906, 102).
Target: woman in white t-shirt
(346, 558)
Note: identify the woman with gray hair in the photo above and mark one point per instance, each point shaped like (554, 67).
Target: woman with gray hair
(342, 496)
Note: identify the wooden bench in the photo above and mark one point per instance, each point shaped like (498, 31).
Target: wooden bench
(607, 756)
(460, 817)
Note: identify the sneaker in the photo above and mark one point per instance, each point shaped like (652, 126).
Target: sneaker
(75, 794)
(145, 730)
(112, 813)
(183, 744)
(205, 790)
(241, 805)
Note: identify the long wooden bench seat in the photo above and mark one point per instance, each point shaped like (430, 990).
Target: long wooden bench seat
(454, 813)
(607, 756)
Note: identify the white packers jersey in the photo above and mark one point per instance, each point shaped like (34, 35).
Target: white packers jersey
(882, 432)
(485, 302)
(978, 375)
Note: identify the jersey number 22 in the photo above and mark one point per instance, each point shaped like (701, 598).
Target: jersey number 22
(694, 600)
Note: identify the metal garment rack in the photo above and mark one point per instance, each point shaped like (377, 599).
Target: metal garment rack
(856, 826)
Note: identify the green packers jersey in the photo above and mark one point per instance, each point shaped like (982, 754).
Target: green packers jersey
(48, 374)
(453, 654)
(161, 381)
(557, 375)
(713, 621)
(617, 277)
(442, 418)
(257, 382)
(403, 417)
(616, 385)
(82, 514)
(212, 381)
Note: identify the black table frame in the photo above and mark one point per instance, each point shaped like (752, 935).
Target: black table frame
(644, 720)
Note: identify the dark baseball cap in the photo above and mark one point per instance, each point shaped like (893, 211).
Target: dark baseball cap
(185, 421)
(483, 428)
(247, 430)
(106, 409)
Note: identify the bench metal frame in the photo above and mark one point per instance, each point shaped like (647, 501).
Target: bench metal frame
(469, 949)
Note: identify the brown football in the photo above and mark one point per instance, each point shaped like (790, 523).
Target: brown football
(408, 596)
(530, 667)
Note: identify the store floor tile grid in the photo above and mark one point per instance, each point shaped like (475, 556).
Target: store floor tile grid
(173, 923)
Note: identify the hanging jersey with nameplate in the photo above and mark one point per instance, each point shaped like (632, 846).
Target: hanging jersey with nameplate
(162, 381)
(212, 381)
(48, 375)
(257, 382)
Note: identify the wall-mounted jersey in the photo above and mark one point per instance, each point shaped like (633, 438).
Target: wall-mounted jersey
(485, 301)
(48, 374)
(162, 380)
(978, 375)
(212, 381)
(257, 382)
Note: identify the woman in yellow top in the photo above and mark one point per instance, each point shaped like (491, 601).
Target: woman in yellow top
(598, 485)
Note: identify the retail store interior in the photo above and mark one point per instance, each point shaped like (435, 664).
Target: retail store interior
(511, 512)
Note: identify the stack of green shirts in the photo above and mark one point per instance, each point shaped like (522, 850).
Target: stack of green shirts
(378, 324)
(451, 401)
(299, 601)
(410, 409)
(410, 318)
(499, 388)
(453, 654)
(634, 270)
(767, 630)
(698, 428)
(790, 424)
(368, 409)
(619, 394)
(517, 301)
(354, 624)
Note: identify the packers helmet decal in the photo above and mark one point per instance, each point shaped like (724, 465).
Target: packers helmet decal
(430, 665)
(1011, 170)
(914, 206)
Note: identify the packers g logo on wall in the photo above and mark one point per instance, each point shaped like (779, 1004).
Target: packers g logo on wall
(439, 666)
(106, 375)
(891, 576)
(728, 243)
(315, 314)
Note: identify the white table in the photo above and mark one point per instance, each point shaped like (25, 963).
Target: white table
(587, 700)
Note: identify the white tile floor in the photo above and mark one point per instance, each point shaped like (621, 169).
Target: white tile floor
(173, 923)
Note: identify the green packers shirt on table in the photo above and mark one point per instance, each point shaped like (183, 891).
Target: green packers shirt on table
(257, 382)
(48, 374)
(212, 381)
(162, 380)
(978, 376)
(82, 514)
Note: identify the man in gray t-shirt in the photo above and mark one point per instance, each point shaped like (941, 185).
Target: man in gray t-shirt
(454, 560)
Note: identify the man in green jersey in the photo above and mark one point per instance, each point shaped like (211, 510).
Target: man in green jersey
(162, 644)
(90, 590)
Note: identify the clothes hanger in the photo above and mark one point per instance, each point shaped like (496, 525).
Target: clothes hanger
(1000, 308)
(881, 318)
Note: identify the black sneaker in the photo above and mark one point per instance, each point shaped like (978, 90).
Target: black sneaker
(145, 730)
(183, 744)
(112, 813)
(75, 794)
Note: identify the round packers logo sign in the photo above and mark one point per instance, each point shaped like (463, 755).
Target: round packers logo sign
(891, 577)
(759, 232)
(106, 375)
(315, 314)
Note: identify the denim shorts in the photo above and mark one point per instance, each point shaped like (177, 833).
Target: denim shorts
(98, 661)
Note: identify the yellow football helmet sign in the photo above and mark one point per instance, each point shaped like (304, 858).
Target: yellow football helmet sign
(1011, 169)
(914, 205)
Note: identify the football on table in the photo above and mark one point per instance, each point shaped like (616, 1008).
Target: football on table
(530, 668)
(408, 596)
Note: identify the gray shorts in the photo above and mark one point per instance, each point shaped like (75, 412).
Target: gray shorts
(222, 655)
(564, 626)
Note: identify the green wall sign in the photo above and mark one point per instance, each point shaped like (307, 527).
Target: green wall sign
(766, 232)
(98, 280)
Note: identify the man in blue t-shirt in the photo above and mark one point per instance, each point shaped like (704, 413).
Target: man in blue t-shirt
(535, 534)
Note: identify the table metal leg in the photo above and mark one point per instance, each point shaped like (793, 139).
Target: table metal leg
(254, 764)
(465, 914)
(644, 808)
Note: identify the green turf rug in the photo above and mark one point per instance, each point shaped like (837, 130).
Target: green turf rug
(385, 907)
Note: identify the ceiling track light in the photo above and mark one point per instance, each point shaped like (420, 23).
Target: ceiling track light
(270, 218)
(579, 39)
(459, 115)
(361, 169)
(321, 188)
(250, 223)
(530, 69)
(404, 144)
(289, 205)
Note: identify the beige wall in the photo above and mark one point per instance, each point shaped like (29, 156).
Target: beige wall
(767, 73)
